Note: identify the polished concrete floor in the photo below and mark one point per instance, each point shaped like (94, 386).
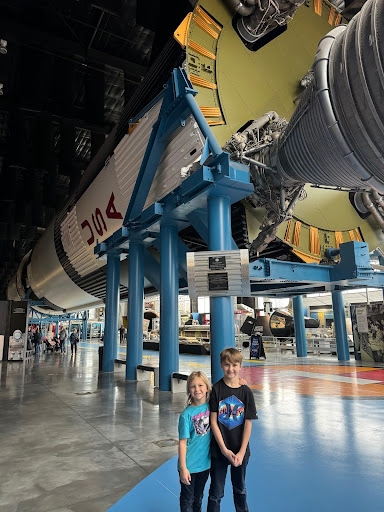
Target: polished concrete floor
(74, 440)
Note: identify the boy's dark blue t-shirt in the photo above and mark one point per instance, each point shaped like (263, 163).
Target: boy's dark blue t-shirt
(233, 407)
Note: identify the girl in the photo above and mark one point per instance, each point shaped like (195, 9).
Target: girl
(194, 441)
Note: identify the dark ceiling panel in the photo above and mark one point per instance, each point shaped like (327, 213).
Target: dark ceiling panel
(71, 66)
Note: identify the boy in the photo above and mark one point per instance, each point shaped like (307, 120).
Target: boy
(232, 408)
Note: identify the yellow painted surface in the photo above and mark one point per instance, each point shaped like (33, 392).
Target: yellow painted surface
(252, 83)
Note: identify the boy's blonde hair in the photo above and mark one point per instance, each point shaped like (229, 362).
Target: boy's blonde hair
(197, 375)
(232, 355)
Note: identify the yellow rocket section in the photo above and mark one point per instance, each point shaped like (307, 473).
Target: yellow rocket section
(237, 85)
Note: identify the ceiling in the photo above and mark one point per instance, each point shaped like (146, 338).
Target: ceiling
(70, 68)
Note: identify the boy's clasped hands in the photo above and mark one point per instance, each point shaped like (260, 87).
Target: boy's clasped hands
(235, 459)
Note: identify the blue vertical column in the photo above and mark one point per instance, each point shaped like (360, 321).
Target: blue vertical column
(111, 312)
(135, 308)
(169, 305)
(222, 321)
(298, 318)
(84, 329)
(340, 326)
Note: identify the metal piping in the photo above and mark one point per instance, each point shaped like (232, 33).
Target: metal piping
(378, 198)
(261, 122)
(242, 9)
(372, 208)
(254, 162)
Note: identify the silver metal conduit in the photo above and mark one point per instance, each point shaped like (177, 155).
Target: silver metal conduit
(242, 9)
(336, 135)
(369, 204)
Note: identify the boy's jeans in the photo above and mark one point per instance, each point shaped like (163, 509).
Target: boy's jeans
(191, 495)
(219, 466)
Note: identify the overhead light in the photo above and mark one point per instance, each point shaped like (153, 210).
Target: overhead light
(1, 89)
(3, 46)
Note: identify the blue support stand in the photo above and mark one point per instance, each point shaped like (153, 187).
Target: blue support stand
(222, 323)
(135, 308)
(169, 305)
(340, 327)
(111, 312)
(84, 329)
(298, 318)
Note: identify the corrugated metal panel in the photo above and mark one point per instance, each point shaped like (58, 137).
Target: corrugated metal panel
(185, 147)
(74, 246)
(129, 153)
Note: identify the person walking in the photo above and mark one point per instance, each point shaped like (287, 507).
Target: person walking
(37, 338)
(63, 336)
(29, 338)
(74, 339)
(122, 333)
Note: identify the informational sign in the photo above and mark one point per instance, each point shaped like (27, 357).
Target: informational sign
(218, 273)
(18, 322)
(218, 281)
(362, 319)
(217, 263)
(257, 346)
(368, 332)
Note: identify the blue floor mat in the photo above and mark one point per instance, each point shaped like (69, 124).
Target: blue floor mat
(307, 456)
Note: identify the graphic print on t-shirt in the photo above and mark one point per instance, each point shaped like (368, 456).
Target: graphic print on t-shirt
(201, 423)
(231, 412)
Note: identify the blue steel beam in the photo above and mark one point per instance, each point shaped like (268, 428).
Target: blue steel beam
(178, 104)
(222, 324)
(151, 269)
(182, 250)
(223, 177)
(135, 308)
(199, 220)
(111, 312)
(340, 326)
(298, 319)
(281, 278)
(169, 306)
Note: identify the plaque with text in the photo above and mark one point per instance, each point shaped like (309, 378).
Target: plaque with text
(218, 273)
(217, 263)
(218, 281)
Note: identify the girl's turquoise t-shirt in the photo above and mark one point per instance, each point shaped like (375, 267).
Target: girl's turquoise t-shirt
(194, 426)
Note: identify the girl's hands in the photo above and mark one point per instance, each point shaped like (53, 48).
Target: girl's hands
(185, 476)
(243, 382)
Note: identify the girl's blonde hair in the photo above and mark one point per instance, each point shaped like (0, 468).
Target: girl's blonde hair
(191, 378)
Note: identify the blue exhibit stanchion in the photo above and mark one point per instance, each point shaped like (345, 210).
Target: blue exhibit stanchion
(111, 312)
(340, 326)
(135, 308)
(222, 323)
(169, 306)
(298, 318)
